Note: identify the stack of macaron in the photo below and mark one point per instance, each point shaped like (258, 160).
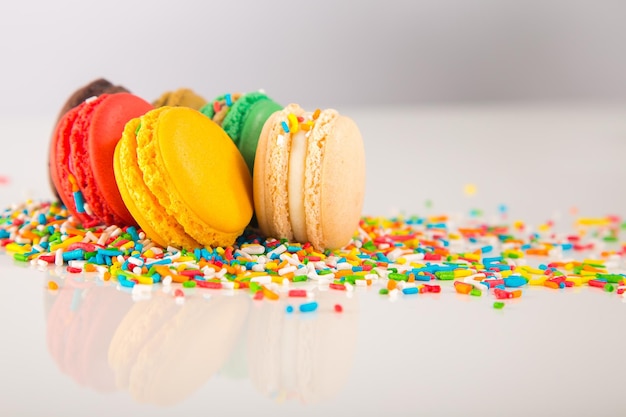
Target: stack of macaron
(192, 173)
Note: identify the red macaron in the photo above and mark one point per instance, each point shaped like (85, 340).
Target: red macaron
(81, 157)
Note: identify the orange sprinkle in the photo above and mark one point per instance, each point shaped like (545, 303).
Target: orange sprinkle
(537, 252)
(107, 276)
(89, 268)
(551, 284)
(391, 285)
(53, 285)
(316, 114)
(269, 294)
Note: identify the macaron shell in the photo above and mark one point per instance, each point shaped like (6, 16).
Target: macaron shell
(59, 159)
(105, 130)
(184, 97)
(144, 206)
(94, 88)
(271, 199)
(253, 124)
(334, 187)
(197, 174)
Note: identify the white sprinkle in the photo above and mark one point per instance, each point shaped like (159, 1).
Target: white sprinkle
(135, 261)
(58, 257)
(263, 279)
(287, 269)
(253, 249)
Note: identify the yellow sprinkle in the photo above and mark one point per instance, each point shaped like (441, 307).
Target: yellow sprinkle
(316, 114)
(127, 245)
(592, 221)
(185, 259)
(537, 280)
(17, 248)
(148, 254)
(144, 280)
(577, 280)
(53, 285)
(66, 243)
(460, 273)
(293, 123)
(469, 189)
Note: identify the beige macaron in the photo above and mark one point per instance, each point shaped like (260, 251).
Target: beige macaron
(309, 177)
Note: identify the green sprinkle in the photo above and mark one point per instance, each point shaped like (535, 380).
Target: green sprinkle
(609, 288)
(498, 305)
(254, 287)
(138, 128)
(476, 292)
(325, 272)
(300, 278)
(445, 275)
(397, 277)
(610, 278)
(383, 291)
(189, 284)
(22, 257)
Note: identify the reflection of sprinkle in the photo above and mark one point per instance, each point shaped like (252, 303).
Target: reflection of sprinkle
(4, 180)
(428, 203)
(469, 189)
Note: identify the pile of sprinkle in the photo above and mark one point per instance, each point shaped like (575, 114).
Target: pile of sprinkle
(398, 256)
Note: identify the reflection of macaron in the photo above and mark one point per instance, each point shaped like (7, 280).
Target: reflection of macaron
(183, 179)
(162, 352)
(80, 324)
(302, 356)
(309, 177)
(183, 97)
(242, 117)
(94, 88)
(81, 160)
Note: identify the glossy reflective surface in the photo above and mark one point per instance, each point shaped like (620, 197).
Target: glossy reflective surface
(90, 348)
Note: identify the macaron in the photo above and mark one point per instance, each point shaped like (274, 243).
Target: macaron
(94, 88)
(81, 157)
(242, 116)
(183, 179)
(182, 97)
(309, 177)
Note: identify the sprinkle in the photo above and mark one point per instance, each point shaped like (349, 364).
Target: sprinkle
(338, 308)
(498, 305)
(229, 100)
(52, 285)
(469, 189)
(285, 126)
(308, 307)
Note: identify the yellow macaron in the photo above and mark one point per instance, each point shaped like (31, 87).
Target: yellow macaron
(182, 179)
(309, 177)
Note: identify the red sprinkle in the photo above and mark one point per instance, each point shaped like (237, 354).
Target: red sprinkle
(74, 270)
(338, 308)
(297, 293)
(179, 293)
(209, 284)
(338, 287)
(258, 295)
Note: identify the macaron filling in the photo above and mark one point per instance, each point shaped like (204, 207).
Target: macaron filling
(299, 128)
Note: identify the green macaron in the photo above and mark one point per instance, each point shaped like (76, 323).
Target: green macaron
(242, 116)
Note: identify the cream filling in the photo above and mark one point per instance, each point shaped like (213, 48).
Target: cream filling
(295, 185)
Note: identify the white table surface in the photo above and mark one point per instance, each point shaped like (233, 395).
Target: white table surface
(550, 353)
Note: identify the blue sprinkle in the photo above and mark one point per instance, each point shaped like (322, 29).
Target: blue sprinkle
(289, 309)
(308, 307)
(486, 249)
(197, 253)
(229, 100)
(285, 126)
(44, 245)
(124, 282)
(99, 259)
(357, 268)
(73, 255)
(526, 246)
(41, 218)
(410, 290)
(109, 252)
(515, 281)
(561, 284)
(79, 201)
(4, 234)
(567, 246)
(132, 231)
(50, 230)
